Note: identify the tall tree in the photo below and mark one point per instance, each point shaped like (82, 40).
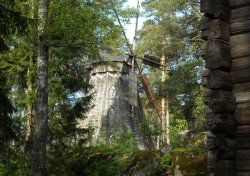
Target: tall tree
(11, 22)
(171, 32)
(38, 155)
(75, 33)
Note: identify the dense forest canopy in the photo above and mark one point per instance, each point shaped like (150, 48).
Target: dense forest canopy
(171, 31)
(46, 48)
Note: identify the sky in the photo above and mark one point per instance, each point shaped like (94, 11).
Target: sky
(130, 28)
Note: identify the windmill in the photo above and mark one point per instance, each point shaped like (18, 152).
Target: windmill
(152, 62)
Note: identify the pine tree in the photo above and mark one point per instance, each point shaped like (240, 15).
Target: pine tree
(38, 155)
(171, 31)
(11, 22)
(6, 131)
(75, 33)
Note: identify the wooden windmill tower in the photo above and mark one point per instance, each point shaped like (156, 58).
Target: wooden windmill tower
(163, 121)
(116, 103)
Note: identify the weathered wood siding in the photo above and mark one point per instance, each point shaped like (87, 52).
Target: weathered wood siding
(226, 80)
(240, 49)
(218, 91)
(115, 109)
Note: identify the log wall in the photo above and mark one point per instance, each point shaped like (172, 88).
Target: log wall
(240, 49)
(218, 91)
(225, 28)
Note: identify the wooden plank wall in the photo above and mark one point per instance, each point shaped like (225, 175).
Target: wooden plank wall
(218, 91)
(240, 50)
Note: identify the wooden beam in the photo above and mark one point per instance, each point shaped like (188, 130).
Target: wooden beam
(217, 55)
(242, 114)
(243, 131)
(218, 79)
(216, 8)
(243, 155)
(241, 76)
(241, 14)
(243, 165)
(241, 39)
(240, 51)
(242, 97)
(215, 29)
(241, 63)
(243, 142)
(150, 95)
(241, 87)
(219, 101)
(239, 3)
(240, 27)
(240, 45)
(243, 173)
(225, 168)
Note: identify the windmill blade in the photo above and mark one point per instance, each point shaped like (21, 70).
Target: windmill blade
(150, 95)
(124, 34)
(142, 78)
(136, 24)
(152, 61)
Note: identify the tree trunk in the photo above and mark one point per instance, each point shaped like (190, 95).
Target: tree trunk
(30, 82)
(38, 154)
(30, 106)
(165, 102)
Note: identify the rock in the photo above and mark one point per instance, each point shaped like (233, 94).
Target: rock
(146, 163)
(177, 172)
(188, 163)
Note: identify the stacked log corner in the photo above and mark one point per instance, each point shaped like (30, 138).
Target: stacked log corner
(240, 50)
(218, 87)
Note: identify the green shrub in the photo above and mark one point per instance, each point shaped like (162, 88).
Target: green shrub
(166, 161)
(94, 161)
(174, 131)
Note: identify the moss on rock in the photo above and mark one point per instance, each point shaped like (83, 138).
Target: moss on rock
(145, 163)
(188, 163)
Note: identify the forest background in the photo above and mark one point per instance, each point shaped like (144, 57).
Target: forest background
(45, 49)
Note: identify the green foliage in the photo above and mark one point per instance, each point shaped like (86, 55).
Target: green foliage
(89, 26)
(172, 30)
(96, 161)
(174, 130)
(145, 163)
(166, 161)
(12, 21)
(150, 127)
(118, 138)
(184, 87)
(171, 24)
(125, 138)
(13, 162)
(6, 124)
(77, 31)
(128, 138)
(196, 150)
